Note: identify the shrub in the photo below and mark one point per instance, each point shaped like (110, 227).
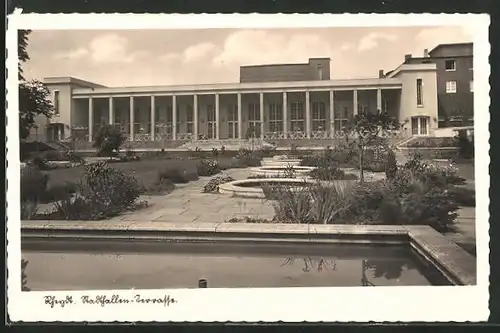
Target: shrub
(80, 208)
(208, 168)
(466, 145)
(310, 204)
(215, 153)
(161, 186)
(391, 166)
(290, 206)
(177, 175)
(463, 196)
(58, 192)
(108, 139)
(76, 158)
(40, 162)
(24, 283)
(33, 184)
(247, 158)
(213, 184)
(108, 189)
(29, 210)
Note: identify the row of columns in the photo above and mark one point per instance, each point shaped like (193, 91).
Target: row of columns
(217, 114)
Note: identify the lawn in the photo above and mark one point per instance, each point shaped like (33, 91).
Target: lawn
(145, 171)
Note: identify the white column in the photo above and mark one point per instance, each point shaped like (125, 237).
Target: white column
(153, 123)
(261, 109)
(91, 118)
(285, 114)
(217, 116)
(132, 118)
(379, 99)
(332, 114)
(355, 102)
(111, 113)
(308, 115)
(240, 135)
(174, 117)
(195, 116)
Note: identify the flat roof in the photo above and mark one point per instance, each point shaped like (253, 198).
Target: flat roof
(450, 45)
(248, 87)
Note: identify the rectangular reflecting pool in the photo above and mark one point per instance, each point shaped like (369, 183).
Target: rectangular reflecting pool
(93, 264)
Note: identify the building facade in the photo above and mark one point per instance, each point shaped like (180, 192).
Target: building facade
(303, 104)
(455, 82)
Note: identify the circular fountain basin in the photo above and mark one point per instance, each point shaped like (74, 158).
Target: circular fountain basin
(252, 188)
(278, 171)
(280, 162)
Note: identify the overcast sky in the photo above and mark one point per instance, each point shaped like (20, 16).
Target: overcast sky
(163, 57)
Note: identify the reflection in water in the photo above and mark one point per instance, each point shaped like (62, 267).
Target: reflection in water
(388, 269)
(318, 264)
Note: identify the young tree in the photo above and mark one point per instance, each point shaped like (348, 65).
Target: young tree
(108, 139)
(365, 128)
(34, 96)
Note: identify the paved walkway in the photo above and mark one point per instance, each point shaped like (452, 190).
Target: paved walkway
(187, 203)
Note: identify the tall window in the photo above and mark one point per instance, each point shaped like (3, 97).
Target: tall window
(211, 122)
(471, 86)
(450, 65)
(341, 117)
(254, 112)
(275, 117)
(420, 125)
(56, 103)
(254, 119)
(318, 116)
(471, 64)
(451, 87)
(297, 117)
(420, 101)
(232, 121)
(190, 120)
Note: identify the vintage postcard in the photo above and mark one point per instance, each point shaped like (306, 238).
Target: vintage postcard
(244, 168)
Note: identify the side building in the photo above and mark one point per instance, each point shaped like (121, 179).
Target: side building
(273, 102)
(455, 82)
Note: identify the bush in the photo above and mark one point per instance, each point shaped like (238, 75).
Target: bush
(391, 166)
(310, 204)
(80, 208)
(109, 190)
(177, 175)
(108, 139)
(161, 186)
(33, 184)
(29, 210)
(76, 158)
(207, 168)
(466, 145)
(463, 196)
(58, 192)
(213, 184)
(24, 283)
(247, 158)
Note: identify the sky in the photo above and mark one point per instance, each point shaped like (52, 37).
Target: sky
(117, 58)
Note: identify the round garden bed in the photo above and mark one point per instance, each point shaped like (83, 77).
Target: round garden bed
(252, 188)
(279, 171)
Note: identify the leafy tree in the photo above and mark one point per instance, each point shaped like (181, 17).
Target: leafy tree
(108, 139)
(365, 128)
(34, 96)
(34, 100)
(22, 52)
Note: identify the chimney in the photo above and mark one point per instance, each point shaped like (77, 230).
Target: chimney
(381, 74)
(407, 57)
(426, 53)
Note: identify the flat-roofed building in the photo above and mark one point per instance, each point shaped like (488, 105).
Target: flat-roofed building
(287, 102)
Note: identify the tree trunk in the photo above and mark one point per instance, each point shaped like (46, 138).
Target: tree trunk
(361, 166)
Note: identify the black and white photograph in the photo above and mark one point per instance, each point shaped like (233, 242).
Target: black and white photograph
(156, 167)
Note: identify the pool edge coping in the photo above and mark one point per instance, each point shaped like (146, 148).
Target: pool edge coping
(455, 261)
